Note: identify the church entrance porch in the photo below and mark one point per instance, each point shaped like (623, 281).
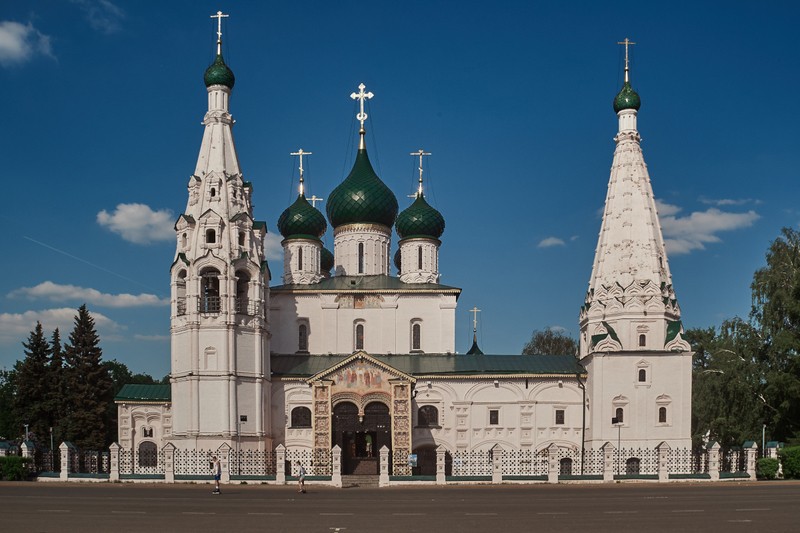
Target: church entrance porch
(361, 436)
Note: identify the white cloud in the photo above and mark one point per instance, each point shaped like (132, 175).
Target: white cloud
(157, 338)
(273, 250)
(20, 43)
(684, 234)
(17, 326)
(139, 224)
(729, 201)
(559, 329)
(62, 293)
(102, 15)
(550, 242)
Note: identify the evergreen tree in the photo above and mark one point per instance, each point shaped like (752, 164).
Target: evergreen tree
(32, 387)
(550, 342)
(88, 386)
(56, 396)
(9, 421)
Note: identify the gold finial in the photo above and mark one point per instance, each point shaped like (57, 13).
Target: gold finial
(219, 16)
(475, 312)
(421, 153)
(301, 153)
(361, 96)
(627, 42)
(314, 199)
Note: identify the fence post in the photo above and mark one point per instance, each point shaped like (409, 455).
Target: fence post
(751, 448)
(663, 458)
(383, 480)
(608, 461)
(336, 476)
(440, 465)
(113, 471)
(552, 463)
(169, 462)
(64, 449)
(280, 464)
(713, 460)
(497, 463)
(224, 456)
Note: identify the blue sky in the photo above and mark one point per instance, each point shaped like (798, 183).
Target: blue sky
(101, 132)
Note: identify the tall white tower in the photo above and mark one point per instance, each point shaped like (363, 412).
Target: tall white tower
(220, 283)
(631, 342)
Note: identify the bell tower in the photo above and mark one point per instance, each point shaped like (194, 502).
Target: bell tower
(220, 288)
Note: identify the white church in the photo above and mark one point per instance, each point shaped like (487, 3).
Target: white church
(344, 351)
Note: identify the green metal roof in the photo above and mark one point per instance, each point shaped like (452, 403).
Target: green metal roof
(420, 220)
(304, 366)
(144, 393)
(627, 98)
(362, 197)
(218, 73)
(674, 327)
(326, 260)
(379, 283)
(301, 221)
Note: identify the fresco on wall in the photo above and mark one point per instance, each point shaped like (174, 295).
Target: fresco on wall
(361, 377)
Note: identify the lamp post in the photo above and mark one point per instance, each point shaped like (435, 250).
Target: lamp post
(26, 431)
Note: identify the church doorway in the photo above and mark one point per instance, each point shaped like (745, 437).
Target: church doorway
(361, 436)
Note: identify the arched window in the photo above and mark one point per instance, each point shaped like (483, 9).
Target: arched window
(299, 259)
(419, 257)
(241, 238)
(242, 290)
(302, 338)
(642, 339)
(148, 454)
(361, 258)
(632, 466)
(359, 336)
(213, 192)
(662, 415)
(619, 414)
(211, 236)
(180, 293)
(427, 416)
(184, 241)
(301, 417)
(642, 375)
(416, 336)
(209, 292)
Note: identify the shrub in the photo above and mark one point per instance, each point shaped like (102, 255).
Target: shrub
(767, 468)
(790, 461)
(14, 468)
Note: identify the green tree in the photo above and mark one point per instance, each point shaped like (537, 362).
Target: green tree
(9, 421)
(776, 313)
(121, 375)
(550, 342)
(32, 387)
(88, 386)
(56, 392)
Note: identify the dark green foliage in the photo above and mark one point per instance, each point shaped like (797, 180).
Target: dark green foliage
(790, 462)
(550, 342)
(14, 468)
(767, 468)
(9, 421)
(57, 389)
(88, 386)
(33, 386)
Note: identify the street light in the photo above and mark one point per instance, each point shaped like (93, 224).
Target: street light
(26, 432)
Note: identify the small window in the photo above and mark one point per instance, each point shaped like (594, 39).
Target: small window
(302, 338)
(428, 416)
(361, 258)
(184, 241)
(213, 192)
(642, 375)
(299, 259)
(662, 415)
(416, 337)
(211, 236)
(494, 417)
(419, 257)
(241, 238)
(559, 417)
(301, 417)
(147, 432)
(642, 340)
(620, 415)
(359, 336)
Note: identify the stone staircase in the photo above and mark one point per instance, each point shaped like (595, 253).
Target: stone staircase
(361, 481)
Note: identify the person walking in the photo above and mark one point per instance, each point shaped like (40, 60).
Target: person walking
(216, 470)
(301, 478)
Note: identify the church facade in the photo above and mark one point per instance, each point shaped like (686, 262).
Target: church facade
(341, 352)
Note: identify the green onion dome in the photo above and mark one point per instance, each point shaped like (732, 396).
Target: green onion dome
(302, 221)
(627, 99)
(362, 197)
(397, 258)
(420, 220)
(326, 261)
(219, 74)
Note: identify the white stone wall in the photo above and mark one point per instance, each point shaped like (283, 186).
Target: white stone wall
(411, 251)
(302, 272)
(143, 422)
(375, 239)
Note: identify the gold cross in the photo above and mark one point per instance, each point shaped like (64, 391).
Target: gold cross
(421, 153)
(219, 16)
(627, 42)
